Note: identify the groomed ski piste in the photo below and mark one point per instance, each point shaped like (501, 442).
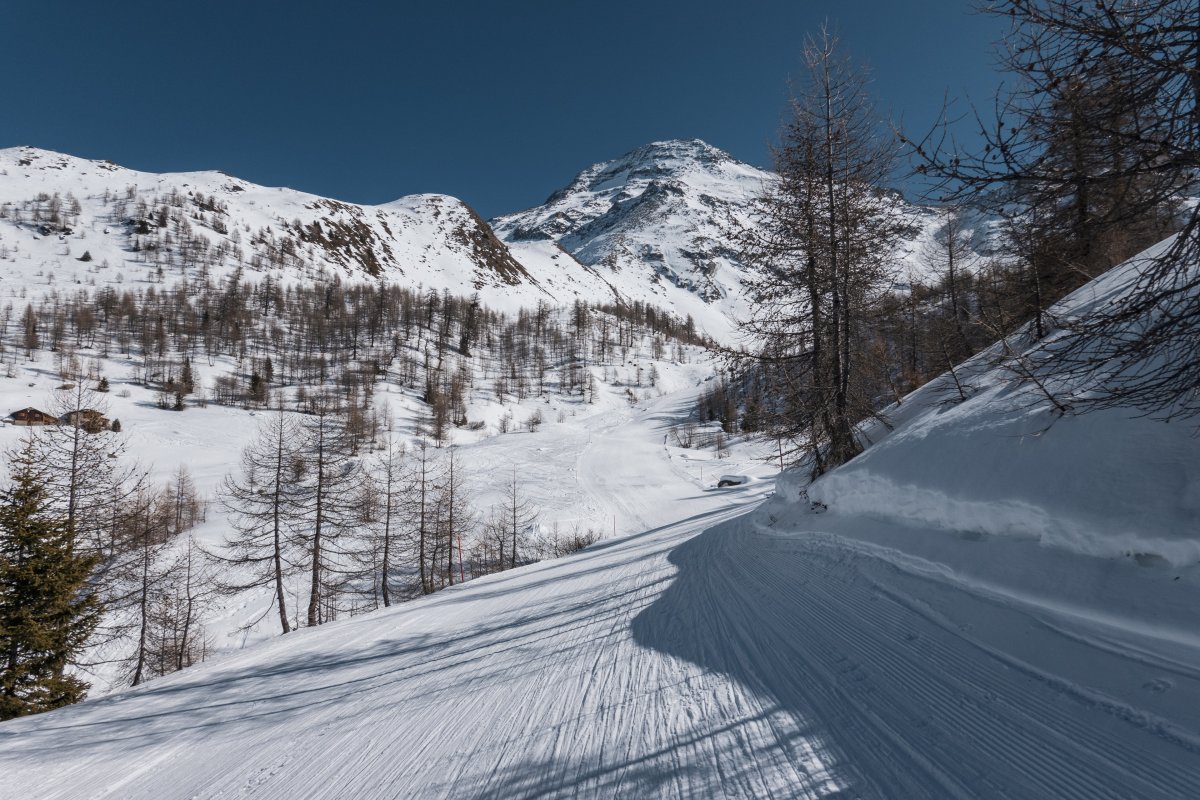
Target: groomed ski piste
(992, 601)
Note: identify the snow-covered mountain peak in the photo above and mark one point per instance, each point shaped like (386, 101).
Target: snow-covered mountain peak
(665, 161)
(666, 219)
(696, 150)
(688, 161)
(36, 159)
(115, 214)
(660, 220)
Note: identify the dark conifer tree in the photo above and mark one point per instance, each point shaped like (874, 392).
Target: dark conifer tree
(47, 607)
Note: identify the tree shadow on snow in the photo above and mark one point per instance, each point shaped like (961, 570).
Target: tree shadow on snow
(721, 614)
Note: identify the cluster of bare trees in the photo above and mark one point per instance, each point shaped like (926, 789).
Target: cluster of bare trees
(319, 519)
(293, 506)
(318, 331)
(159, 582)
(326, 499)
(1090, 157)
(360, 529)
(154, 593)
(260, 338)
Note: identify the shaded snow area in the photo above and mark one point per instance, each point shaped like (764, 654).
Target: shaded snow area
(539, 680)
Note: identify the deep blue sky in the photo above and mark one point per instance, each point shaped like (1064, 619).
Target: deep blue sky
(498, 103)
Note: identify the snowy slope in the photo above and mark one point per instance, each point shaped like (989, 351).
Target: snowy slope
(54, 208)
(207, 440)
(711, 655)
(1004, 462)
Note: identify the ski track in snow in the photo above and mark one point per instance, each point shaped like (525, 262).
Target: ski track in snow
(708, 656)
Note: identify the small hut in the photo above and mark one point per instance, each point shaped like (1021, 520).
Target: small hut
(89, 419)
(32, 416)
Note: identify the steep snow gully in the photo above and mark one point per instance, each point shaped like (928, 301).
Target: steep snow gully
(718, 655)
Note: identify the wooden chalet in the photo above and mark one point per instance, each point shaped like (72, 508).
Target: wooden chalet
(31, 416)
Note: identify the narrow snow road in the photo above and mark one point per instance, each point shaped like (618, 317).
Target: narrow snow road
(628, 472)
(704, 657)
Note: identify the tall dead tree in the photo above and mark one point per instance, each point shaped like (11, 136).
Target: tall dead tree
(392, 483)
(264, 506)
(422, 512)
(330, 473)
(821, 246)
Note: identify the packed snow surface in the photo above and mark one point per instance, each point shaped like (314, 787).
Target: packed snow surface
(728, 649)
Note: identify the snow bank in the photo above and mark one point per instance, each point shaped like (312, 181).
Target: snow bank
(1003, 463)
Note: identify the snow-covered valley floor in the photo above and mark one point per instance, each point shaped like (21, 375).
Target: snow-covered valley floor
(732, 648)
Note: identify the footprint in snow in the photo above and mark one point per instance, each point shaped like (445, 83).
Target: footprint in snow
(1157, 685)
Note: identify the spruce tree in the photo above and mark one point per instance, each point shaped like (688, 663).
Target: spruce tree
(47, 607)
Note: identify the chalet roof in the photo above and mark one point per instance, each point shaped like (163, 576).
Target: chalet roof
(30, 410)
